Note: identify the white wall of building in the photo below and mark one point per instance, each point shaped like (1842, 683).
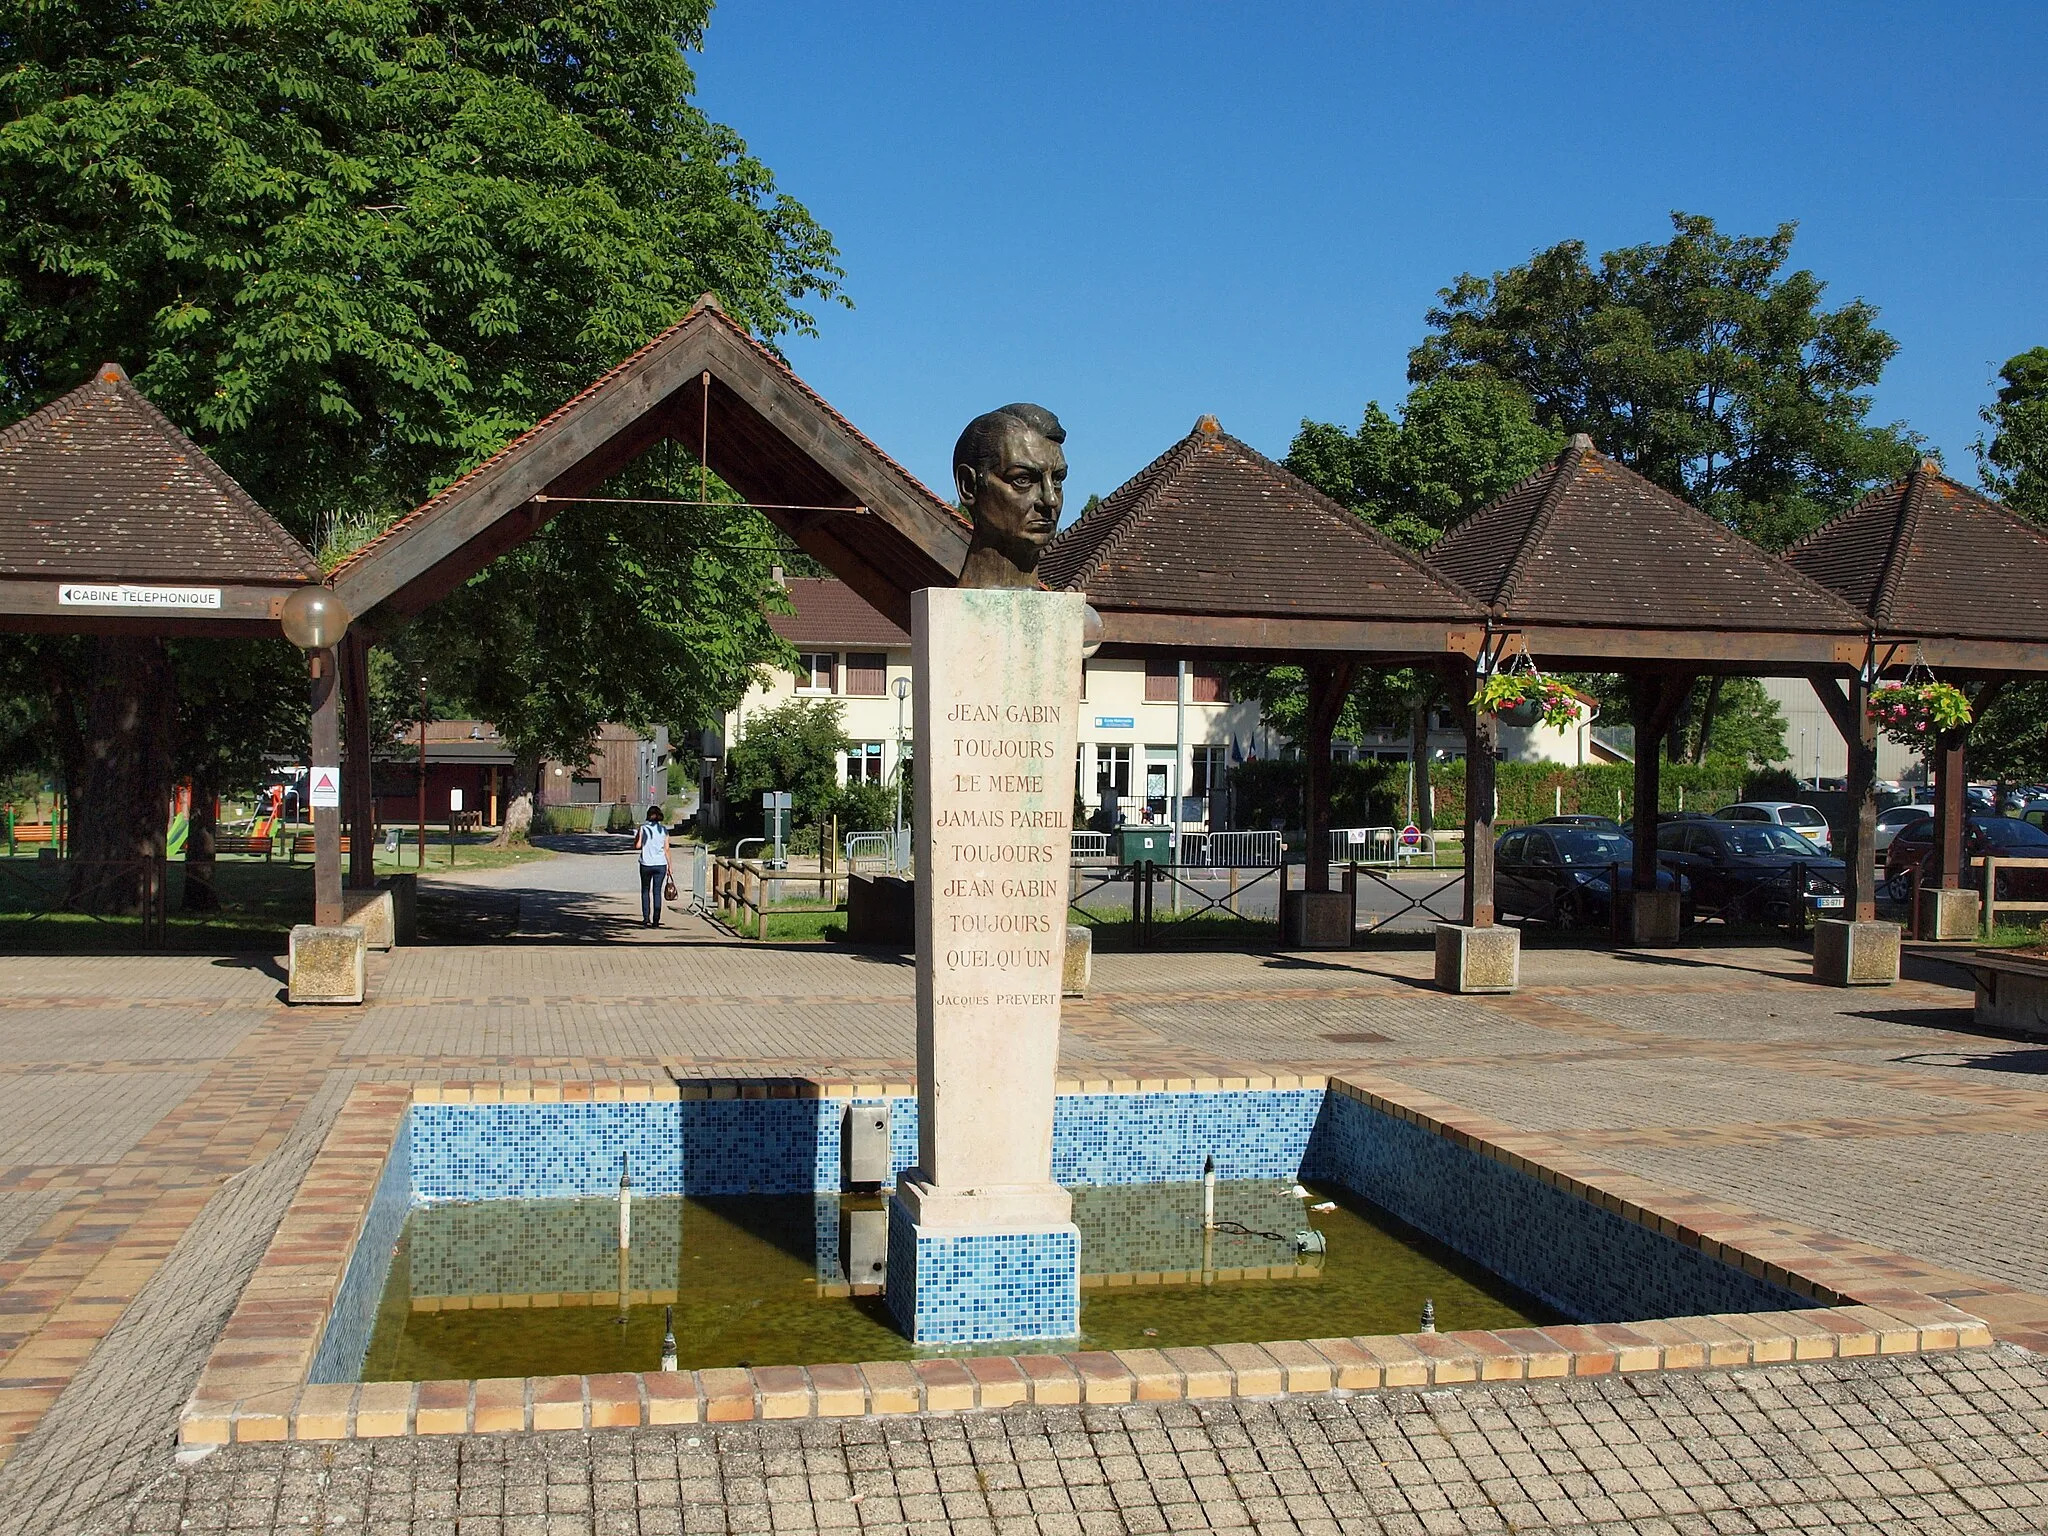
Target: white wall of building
(1814, 747)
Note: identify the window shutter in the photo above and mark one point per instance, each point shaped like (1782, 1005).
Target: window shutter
(1162, 680)
(867, 673)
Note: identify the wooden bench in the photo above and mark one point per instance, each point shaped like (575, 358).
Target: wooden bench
(31, 833)
(2012, 990)
(303, 842)
(238, 842)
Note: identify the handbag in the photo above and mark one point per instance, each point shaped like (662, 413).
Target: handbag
(668, 890)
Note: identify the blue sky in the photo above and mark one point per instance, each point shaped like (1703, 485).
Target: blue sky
(1133, 213)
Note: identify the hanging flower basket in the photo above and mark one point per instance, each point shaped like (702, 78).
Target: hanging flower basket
(1914, 714)
(1524, 698)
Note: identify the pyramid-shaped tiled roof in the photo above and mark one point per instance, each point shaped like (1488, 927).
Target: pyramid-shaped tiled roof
(1213, 526)
(1928, 557)
(1587, 541)
(99, 485)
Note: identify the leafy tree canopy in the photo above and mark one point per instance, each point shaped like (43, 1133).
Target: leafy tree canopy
(2013, 464)
(794, 746)
(1460, 441)
(1700, 362)
(355, 246)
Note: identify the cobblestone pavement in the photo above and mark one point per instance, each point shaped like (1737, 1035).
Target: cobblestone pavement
(156, 1112)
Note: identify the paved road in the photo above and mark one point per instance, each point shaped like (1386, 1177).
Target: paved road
(156, 1113)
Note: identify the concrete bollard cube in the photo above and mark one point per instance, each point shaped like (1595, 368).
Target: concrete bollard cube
(1950, 914)
(1317, 920)
(1653, 917)
(405, 908)
(1847, 954)
(375, 913)
(1478, 959)
(326, 965)
(1079, 968)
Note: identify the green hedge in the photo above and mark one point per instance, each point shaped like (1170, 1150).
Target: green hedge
(1267, 791)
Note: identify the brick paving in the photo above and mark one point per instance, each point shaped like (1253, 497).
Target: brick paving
(157, 1112)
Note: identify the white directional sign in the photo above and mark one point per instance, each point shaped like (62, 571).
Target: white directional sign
(121, 594)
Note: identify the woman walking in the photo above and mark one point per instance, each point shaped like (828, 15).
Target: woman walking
(651, 843)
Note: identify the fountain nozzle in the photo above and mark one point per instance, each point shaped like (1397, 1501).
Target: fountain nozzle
(668, 1338)
(1209, 1191)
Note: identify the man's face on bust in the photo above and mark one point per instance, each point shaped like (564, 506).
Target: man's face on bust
(1015, 500)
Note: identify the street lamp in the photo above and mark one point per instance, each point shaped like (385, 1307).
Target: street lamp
(314, 620)
(902, 693)
(422, 827)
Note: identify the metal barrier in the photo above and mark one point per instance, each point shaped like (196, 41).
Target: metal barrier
(84, 879)
(871, 848)
(1365, 845)
(1778, 898)
(1409, 900)
(1233, 850)
(1089, 847)
(1144, 878)
(1565, 903)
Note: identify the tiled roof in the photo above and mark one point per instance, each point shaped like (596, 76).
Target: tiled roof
(1926, 556)
(1213, 526)
(1586, 541)
(99, 484)
(708, 311)
(830, 613)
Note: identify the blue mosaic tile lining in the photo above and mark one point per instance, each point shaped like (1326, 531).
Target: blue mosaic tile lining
(1588, 1263)
(981, 1287)
(543, 1151)
(1145, 1138)
(346, 1340)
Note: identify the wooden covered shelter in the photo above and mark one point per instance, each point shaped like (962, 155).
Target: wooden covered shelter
(709, 386)
(1946, 579)
(113, 522)
(1588, 566)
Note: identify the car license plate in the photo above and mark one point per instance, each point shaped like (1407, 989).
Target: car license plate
(1827, 901)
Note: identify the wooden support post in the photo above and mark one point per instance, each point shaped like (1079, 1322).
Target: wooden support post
(1951, 782)
(1654, 702)
(359, 807)
(1482, 757)
(326, 743)
(1329, 681)
(1849, 708)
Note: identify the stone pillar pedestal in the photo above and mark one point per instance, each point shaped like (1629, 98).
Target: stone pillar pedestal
(1950, 914)
(1079, 967)
(1653, 917)
(1847, 954)
(974, 1268)
(1478, 959)
(375, 913)
(1316, 919)
(325, 965)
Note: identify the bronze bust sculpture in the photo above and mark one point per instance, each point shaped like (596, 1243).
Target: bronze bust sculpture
(1009, 471)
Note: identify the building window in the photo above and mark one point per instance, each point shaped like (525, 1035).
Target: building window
(864, 763)
(1208, 771)
(867, 674)
(814, 671)
(1112, 770)
(1162, 681)
(1206, 684)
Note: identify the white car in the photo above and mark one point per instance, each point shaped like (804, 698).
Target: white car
(1803, 819)
(1894, 821)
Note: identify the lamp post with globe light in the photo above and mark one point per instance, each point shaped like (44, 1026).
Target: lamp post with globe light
(314, 620)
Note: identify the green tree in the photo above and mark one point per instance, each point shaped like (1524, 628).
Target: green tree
(355, 246)
(1700, 362)
(794, 746)
(2013, 464)
(1460, 442)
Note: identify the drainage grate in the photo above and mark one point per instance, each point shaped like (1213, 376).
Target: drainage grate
(1360, 1037)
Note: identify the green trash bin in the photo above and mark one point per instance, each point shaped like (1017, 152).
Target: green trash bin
(1142, 843)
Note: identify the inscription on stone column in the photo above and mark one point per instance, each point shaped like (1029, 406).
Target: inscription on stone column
(998, 680)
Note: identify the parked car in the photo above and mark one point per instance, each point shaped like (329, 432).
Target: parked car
(1581, 819)
(1997, 836)
(1744, 871)
(1894, 821)
(1803, 819)
(1565, 874)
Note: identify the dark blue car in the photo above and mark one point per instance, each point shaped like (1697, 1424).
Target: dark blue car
(1564, 875)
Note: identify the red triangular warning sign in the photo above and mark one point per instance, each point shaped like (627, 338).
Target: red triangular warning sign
(325, 781)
